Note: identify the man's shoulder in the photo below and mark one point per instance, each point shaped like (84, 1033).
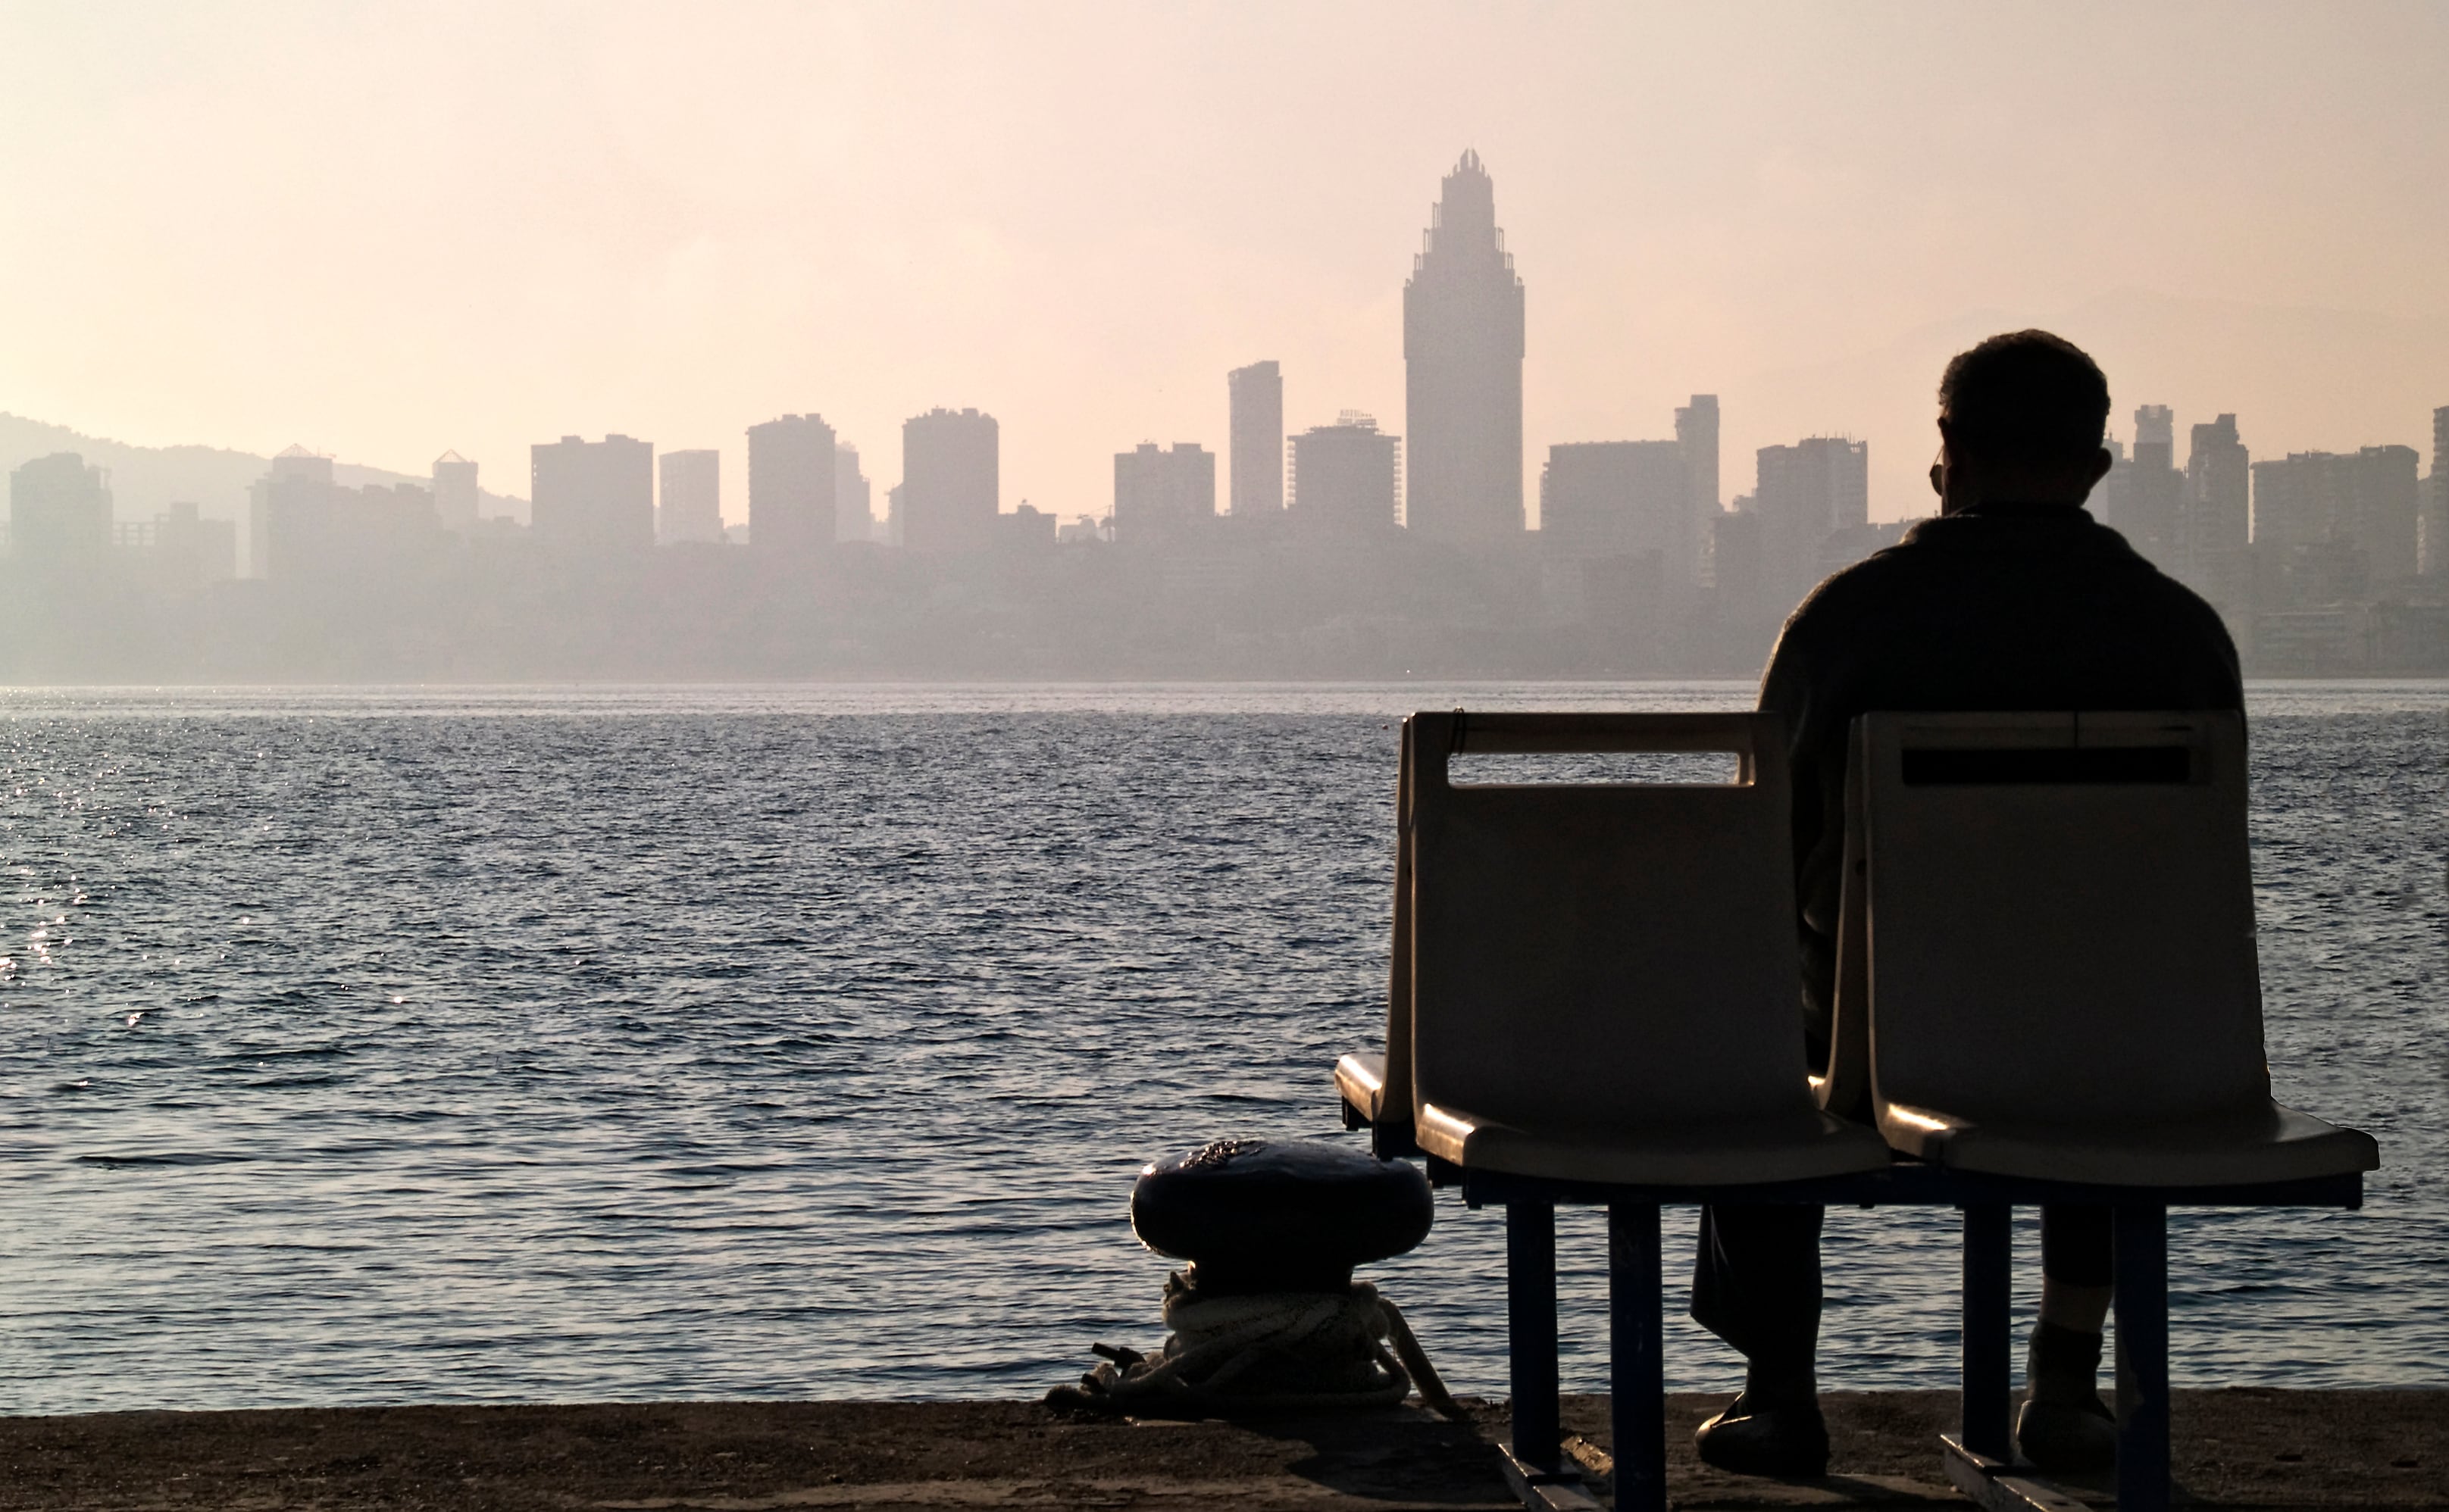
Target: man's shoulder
(1969, 600)
(1944, 552)
(1866, 585)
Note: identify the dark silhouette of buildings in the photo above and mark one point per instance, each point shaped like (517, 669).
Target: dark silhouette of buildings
(456, 500)
(59, 511)
(854, 508)
(791, 485)
(592, 498)
(1347, 477)
(690, 497)
(1463, 357)
(1163, 493)
(1257, 394)
(951, 481)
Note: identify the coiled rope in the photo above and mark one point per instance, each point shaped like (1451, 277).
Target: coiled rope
(1268, 1351)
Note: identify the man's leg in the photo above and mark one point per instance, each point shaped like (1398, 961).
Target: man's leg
(1755, 1285)
(2064, 1425)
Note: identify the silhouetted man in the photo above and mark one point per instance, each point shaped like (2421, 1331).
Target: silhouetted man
(2013, 598)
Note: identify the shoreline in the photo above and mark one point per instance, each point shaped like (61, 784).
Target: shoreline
(2241, 1448)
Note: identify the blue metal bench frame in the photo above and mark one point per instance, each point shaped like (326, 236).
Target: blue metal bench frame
(1636, 1317)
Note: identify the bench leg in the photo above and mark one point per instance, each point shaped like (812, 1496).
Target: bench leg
(1989, 1288)
(1637, 1371)
(2142, 1301)
(1531, 1330)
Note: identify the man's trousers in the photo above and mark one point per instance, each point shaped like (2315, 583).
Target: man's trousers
(1756, 1280)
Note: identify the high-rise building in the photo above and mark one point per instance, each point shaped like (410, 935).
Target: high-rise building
(854, 516)
(1601, 499)
(592, 498)
(2219, 490)
(455, 496)
(292, 465)
(952, 486)
(2432, 547)
(1258, 446)
(59, 511)
(2143, 500)
(1163, 493)
(791, 485)
(1806, 493)
(2215, 520)
(689, 502)
(193, 550)
(1462, 360)
(1346, 476)
(2365, 500)
(1696, 432)
(307, 528)
(1734, 560)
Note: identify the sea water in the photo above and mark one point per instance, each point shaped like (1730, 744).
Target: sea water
(392, 1045)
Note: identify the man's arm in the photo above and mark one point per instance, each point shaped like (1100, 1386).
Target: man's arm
(1796, 687)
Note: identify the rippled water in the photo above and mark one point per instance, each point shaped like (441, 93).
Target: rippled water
(684, 1044)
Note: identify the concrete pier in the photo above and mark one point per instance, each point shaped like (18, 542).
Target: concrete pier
(2239, 1449)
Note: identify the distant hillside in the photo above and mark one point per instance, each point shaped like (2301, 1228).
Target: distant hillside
(143, 479)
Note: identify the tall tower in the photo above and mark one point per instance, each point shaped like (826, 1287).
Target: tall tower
(2147, 506)
(1258, 416)
(2218, 491)
(454, 492)
(952, 486)
(691, 505)
(1162, 494)
(1462, 358)
(2432, 543)
(587, 498)
(1696, 432)
(854, 508)
(1346, 476)
(791, 485)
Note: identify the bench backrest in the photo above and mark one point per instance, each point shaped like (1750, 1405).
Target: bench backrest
(2059, 914)
(1399, 971)
(1603, 955)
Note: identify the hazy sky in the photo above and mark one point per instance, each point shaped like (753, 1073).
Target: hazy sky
(384, 230)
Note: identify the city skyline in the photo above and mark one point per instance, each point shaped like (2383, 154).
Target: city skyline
(736, 246)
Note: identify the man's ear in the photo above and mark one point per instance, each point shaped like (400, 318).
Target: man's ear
(2101, 462)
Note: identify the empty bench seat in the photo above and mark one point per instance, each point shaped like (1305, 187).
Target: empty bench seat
(2058, 960)
(1604, 985)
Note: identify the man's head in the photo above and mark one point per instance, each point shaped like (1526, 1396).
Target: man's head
(2020, 418)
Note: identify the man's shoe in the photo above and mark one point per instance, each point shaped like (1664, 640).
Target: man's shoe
(1784, 1438)
(2067, 1438)
(2064, 1429)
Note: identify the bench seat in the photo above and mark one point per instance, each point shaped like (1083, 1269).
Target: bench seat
(2262, 1142)
(1360, 1078)
(1799, 1145)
